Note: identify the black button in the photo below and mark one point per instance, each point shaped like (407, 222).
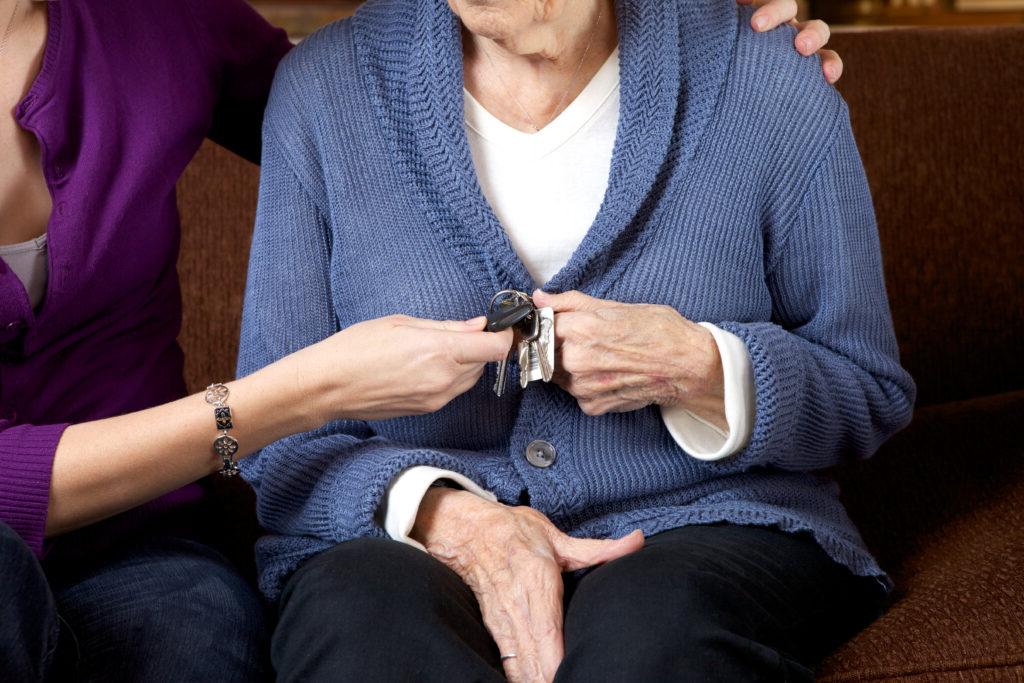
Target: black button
(15, 326)
(541, 454)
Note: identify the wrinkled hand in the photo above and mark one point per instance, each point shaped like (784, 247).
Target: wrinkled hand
(512, 558)
(396, 366)
(813, 35)
(616, 357)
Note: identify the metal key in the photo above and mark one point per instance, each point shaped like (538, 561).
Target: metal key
(545, 343)
(524, 364)
(534, 361)
(508, 308)
(499, 383)
(533, 344)
(497, 324)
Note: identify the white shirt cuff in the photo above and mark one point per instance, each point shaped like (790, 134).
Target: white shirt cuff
(698, 437)
(404, 495)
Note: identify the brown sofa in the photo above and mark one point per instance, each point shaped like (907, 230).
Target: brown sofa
(938, 115)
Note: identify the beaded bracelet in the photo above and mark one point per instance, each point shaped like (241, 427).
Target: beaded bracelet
(224, 446)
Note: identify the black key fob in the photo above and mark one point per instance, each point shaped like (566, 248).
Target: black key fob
(506, 316)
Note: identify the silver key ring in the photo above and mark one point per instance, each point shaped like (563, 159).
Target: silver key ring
(522, 297)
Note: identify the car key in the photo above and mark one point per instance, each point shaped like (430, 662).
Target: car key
(499, 383)
(508, 308)
(508, 314)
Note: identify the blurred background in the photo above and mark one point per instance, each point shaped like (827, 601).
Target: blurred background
(300, 17)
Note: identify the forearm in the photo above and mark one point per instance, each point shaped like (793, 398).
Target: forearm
(105, 467)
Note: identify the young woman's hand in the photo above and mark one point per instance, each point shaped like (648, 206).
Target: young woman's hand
(374, 370)
(395, 366)
(812, 37)
(512, 558)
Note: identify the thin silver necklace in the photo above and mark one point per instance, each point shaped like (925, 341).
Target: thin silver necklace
(10, 27)
(561, 101)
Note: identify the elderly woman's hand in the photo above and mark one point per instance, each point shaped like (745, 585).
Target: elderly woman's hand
(512, 558)
(813, 35)
(616, 357)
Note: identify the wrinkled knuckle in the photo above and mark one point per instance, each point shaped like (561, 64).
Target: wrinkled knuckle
(570, 358)
(575, 387)
(574, 328)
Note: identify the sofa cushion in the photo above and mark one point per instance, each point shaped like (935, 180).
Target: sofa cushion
(942, 506)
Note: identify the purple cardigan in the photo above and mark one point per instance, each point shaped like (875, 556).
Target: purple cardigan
(127, 92)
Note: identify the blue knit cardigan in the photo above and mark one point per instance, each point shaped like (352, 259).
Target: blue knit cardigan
(736, 196)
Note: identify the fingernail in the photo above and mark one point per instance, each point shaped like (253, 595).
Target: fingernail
(476, 322)
(805, 44)
(760, 23)
(830, 74)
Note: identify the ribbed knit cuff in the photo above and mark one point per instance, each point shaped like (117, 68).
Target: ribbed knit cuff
(26, 465)
(370, 478)
(779, 377)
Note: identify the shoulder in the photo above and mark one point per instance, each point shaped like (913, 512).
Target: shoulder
(310, 76)
(749, 77)
(773, 83)
(317, 69)
(310, 99)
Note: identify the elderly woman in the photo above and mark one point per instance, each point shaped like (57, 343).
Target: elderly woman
(655, 514)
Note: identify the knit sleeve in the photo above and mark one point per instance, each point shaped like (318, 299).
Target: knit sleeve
(242, 52)
(829, 385)
(328, 483)
(26, 463)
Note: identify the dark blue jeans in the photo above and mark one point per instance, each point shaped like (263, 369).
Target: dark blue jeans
(160, 609)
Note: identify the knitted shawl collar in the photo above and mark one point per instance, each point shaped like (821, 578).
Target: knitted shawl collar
(673, 61)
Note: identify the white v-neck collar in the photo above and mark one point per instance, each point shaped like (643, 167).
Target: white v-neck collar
(571, 121)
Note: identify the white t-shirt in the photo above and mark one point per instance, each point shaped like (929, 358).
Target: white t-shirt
(547, 187)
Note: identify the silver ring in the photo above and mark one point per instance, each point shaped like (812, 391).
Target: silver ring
(511, 655)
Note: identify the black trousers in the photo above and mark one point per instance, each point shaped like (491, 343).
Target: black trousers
(701, 603)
